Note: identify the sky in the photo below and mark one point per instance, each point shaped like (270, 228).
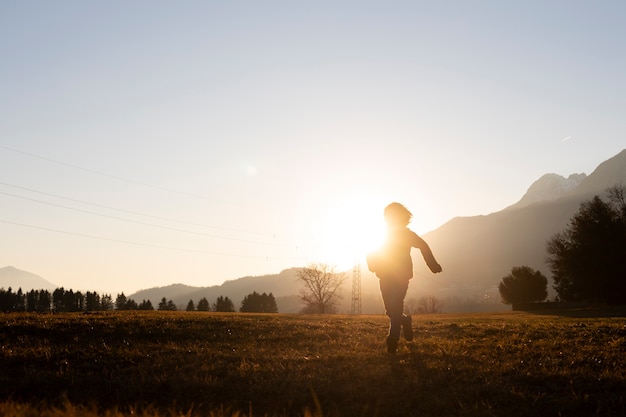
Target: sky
(147, 143)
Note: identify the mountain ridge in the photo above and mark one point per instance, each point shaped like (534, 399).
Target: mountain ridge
(549, 187)
(11, 277)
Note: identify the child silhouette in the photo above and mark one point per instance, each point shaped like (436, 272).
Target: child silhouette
(393, 265)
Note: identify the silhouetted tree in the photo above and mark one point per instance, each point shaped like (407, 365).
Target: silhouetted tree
(79, 300)
(190, 306)
(67, 301)
(92, 301)
(588, 258)
(203, 304)
(166, 305)
(32, 297)
(57, 299)
(20, 301)
(617, 196)
(145, 305)
(124, 303)
(223, 304)
(268, 303)
(120, 302)
(321, 285)
(7, 300)
(44, 301)
(72, 301)
(523, 285)
(106, 302)
(259, 303)
(131, 304)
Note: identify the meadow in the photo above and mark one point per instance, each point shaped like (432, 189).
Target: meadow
(155, 364)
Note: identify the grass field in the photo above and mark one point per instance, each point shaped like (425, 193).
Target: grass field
(209, 364)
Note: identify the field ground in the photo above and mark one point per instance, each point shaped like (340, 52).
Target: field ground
(209, 364)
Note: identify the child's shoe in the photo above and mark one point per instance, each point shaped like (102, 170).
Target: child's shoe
(392, 345)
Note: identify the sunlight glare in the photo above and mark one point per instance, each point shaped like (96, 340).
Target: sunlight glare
(350, 226)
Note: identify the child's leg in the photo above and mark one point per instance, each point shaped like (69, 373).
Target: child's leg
(407, 327)
(393, 294)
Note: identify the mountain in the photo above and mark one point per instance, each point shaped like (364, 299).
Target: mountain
(607, 174)
(549, 187)
(15, 279)
(475, 252)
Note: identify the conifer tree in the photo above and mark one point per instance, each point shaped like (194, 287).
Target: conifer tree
(223, 304)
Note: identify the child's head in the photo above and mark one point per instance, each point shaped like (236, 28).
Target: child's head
(397, 215)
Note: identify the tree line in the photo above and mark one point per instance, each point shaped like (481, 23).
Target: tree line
(251, 303)
(68, 301)
(587, 259)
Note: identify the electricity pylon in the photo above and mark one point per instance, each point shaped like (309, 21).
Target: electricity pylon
(356, 288)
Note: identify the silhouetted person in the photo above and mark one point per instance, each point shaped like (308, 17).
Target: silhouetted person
(393, 265)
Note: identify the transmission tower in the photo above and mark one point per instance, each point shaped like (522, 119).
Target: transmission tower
(356, 288)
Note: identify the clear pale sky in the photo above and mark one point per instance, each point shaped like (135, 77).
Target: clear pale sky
(146, 143)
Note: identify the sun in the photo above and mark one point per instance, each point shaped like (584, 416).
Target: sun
(349, 226)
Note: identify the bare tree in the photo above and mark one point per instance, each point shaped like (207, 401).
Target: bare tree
(321, 284)
(429, 305)
(617, 195)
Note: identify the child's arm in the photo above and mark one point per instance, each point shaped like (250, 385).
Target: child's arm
(429, 258)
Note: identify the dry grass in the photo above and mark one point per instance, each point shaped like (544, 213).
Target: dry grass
(156, 364)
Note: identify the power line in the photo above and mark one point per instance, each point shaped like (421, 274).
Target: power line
(118, 177)
(274, 236)
(141, 223)
(83, 235)
(104, 174)
(296, 246)
(132, 181)
(135, 212)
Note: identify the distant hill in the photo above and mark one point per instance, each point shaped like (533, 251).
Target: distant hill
(284, 286)
(14, 278)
